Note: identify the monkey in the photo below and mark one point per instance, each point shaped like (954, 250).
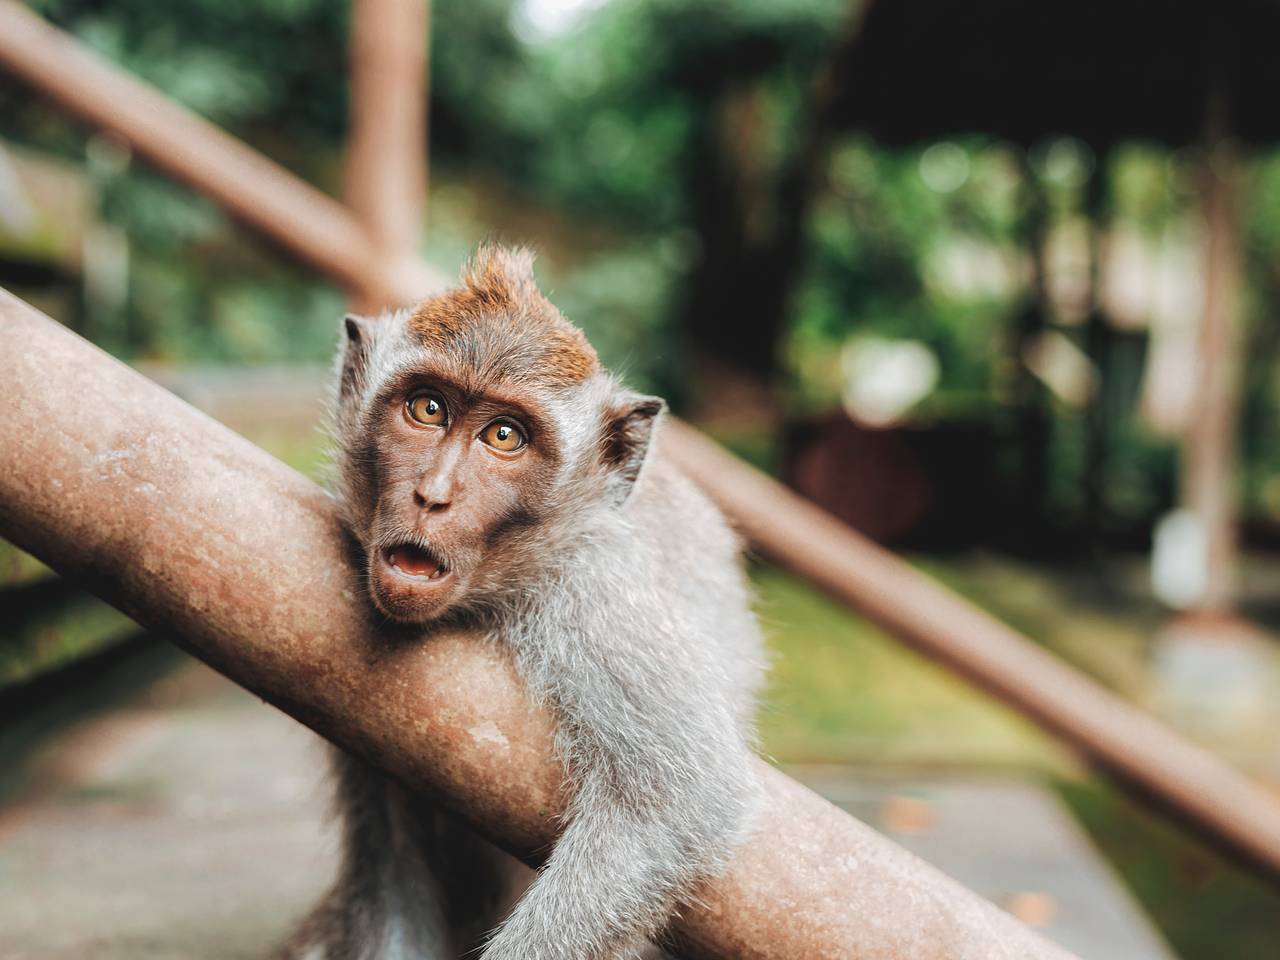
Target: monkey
(491, 471)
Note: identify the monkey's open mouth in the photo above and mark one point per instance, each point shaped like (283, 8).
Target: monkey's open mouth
(412, 561)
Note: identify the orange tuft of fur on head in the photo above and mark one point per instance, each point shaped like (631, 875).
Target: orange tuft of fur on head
(498, 304)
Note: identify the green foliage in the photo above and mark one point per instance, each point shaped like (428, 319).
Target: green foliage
(843, 691)
(57, 638)
(620, 299)
(237, 62)
(613, 106)
(876, 238)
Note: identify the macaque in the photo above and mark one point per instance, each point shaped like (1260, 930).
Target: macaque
(492, 473)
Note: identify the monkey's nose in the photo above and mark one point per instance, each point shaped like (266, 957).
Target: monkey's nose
(430, 501)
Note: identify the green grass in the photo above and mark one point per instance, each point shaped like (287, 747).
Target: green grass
(843, 691)
(17, 566)
(82, 626)
(1207, 907)
(306, 451)
(1096, 618)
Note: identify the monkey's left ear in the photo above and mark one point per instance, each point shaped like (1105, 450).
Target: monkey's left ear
(627, 432)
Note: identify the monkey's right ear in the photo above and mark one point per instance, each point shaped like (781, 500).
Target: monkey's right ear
(355, 351)
(354, 325)
(628, 430)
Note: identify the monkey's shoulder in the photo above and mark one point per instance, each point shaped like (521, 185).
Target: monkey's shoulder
(668, 505)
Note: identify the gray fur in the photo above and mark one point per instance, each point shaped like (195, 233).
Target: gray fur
(623, 604)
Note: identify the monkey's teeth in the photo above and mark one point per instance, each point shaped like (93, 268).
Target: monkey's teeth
(414, 562)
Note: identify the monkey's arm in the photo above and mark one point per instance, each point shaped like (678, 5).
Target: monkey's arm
(618, 871)
(662, 785)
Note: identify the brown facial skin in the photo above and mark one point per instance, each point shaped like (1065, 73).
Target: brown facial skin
(449, 495)
(448, 522)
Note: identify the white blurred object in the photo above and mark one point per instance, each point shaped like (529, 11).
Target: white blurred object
(106, 269)
(1179, 560)
(1127, 276)
(1168, 394)
(883, 379)
(1068, 266)
(1217, 677)
(961, 268)
(944, 167)
(46, 204)
(1062, 366)
(105, 248)
(537, 20)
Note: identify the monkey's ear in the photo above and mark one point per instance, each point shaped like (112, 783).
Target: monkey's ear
(355, 325)
(628, 430)
(355, 351)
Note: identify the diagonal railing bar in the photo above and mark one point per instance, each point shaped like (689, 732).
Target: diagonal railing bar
(196, 533)
(1209, 794)
(1202, 789)
(309, 223)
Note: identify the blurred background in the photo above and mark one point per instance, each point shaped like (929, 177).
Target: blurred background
(996, 284)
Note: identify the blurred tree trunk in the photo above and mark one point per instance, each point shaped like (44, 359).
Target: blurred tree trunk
(751, 224)
(724, 315)
(1030, 408)
(1098, 347)
(1209, 448)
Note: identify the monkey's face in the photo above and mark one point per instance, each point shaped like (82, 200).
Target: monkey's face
(472, 432)
(461, 479)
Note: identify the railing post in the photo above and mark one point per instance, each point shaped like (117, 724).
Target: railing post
(386, 171)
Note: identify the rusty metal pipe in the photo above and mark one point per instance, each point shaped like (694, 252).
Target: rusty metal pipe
(191, 529)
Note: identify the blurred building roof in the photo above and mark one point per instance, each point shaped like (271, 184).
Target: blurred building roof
(1101, 71)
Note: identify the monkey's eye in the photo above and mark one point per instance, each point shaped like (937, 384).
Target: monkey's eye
(427, 409)
(503, 435)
